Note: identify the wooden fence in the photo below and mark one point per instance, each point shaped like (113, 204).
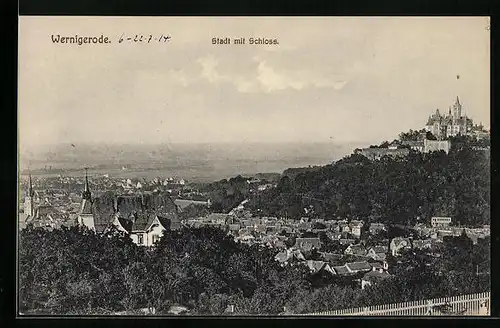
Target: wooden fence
(468, 305)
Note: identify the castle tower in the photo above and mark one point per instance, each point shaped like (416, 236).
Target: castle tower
(86, 216)
(457, 109)
(28, 201)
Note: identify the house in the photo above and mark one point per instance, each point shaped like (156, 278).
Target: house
(356, 227)
(265, 186)
(234, 227)
(245, 239)
(341, 270)
(148, 229)
(376, 228)
(283, 257)
(423, 231)
(445, 233)
(398, 244)
(336, 227)
(377, 266)
(422, 244)
(121, 224)
(319, 230)
(304, 226)
(246, 223)
(261, 228)
(307, 244)
(379, 249)
(331, 257)
(393, 145)
(378, 253)
(439, 221)
(373, 277)
(269, 220)
(273, 229)
(317, 266)
(297, 255)
(279, 244)
(220, 218)
(346, 241)
(355, 267)
(334, 235)
(474, 236)
(288, 255)
(357, 250)
(344, 227)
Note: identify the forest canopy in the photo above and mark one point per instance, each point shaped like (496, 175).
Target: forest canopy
(402, 190)
(75, 271)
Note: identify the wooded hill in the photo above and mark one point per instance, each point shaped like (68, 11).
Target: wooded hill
(391, 190)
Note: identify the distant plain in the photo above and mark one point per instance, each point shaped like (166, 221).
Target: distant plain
(193, 162)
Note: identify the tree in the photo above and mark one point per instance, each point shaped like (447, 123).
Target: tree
(430, 136)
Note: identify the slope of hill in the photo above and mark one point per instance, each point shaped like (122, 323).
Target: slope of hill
(403, 190)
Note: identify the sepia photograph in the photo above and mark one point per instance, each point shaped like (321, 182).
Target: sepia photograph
(253, 166)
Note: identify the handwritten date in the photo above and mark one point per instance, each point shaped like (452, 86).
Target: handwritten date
(141, 38)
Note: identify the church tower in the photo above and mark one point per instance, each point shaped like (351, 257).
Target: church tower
(29, 211)
(86, 216)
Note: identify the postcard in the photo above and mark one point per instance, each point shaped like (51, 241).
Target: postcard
(253, 166)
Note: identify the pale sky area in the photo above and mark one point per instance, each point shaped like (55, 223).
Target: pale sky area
(340, 79)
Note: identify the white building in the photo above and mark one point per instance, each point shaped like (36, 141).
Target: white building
(437, 145)
(439, 221)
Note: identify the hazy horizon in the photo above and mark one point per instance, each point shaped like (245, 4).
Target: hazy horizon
(194, 162)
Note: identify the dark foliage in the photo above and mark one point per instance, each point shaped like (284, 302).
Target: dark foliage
(75, 271)
(393, 190)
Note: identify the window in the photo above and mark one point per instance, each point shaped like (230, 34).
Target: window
(155, 238)
(140, 239)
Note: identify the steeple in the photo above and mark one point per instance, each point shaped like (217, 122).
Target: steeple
(30, 190)
(86, 193)
(86, 216)
(458, 101)
(29, 210)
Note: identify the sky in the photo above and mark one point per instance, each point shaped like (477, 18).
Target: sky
(330, 79)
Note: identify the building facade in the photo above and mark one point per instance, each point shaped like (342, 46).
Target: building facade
(437, 145)
(438, 221)
(445, 126)
(378, 153)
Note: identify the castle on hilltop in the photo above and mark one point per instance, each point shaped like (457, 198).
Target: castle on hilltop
(455, 123)
(442, 127)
